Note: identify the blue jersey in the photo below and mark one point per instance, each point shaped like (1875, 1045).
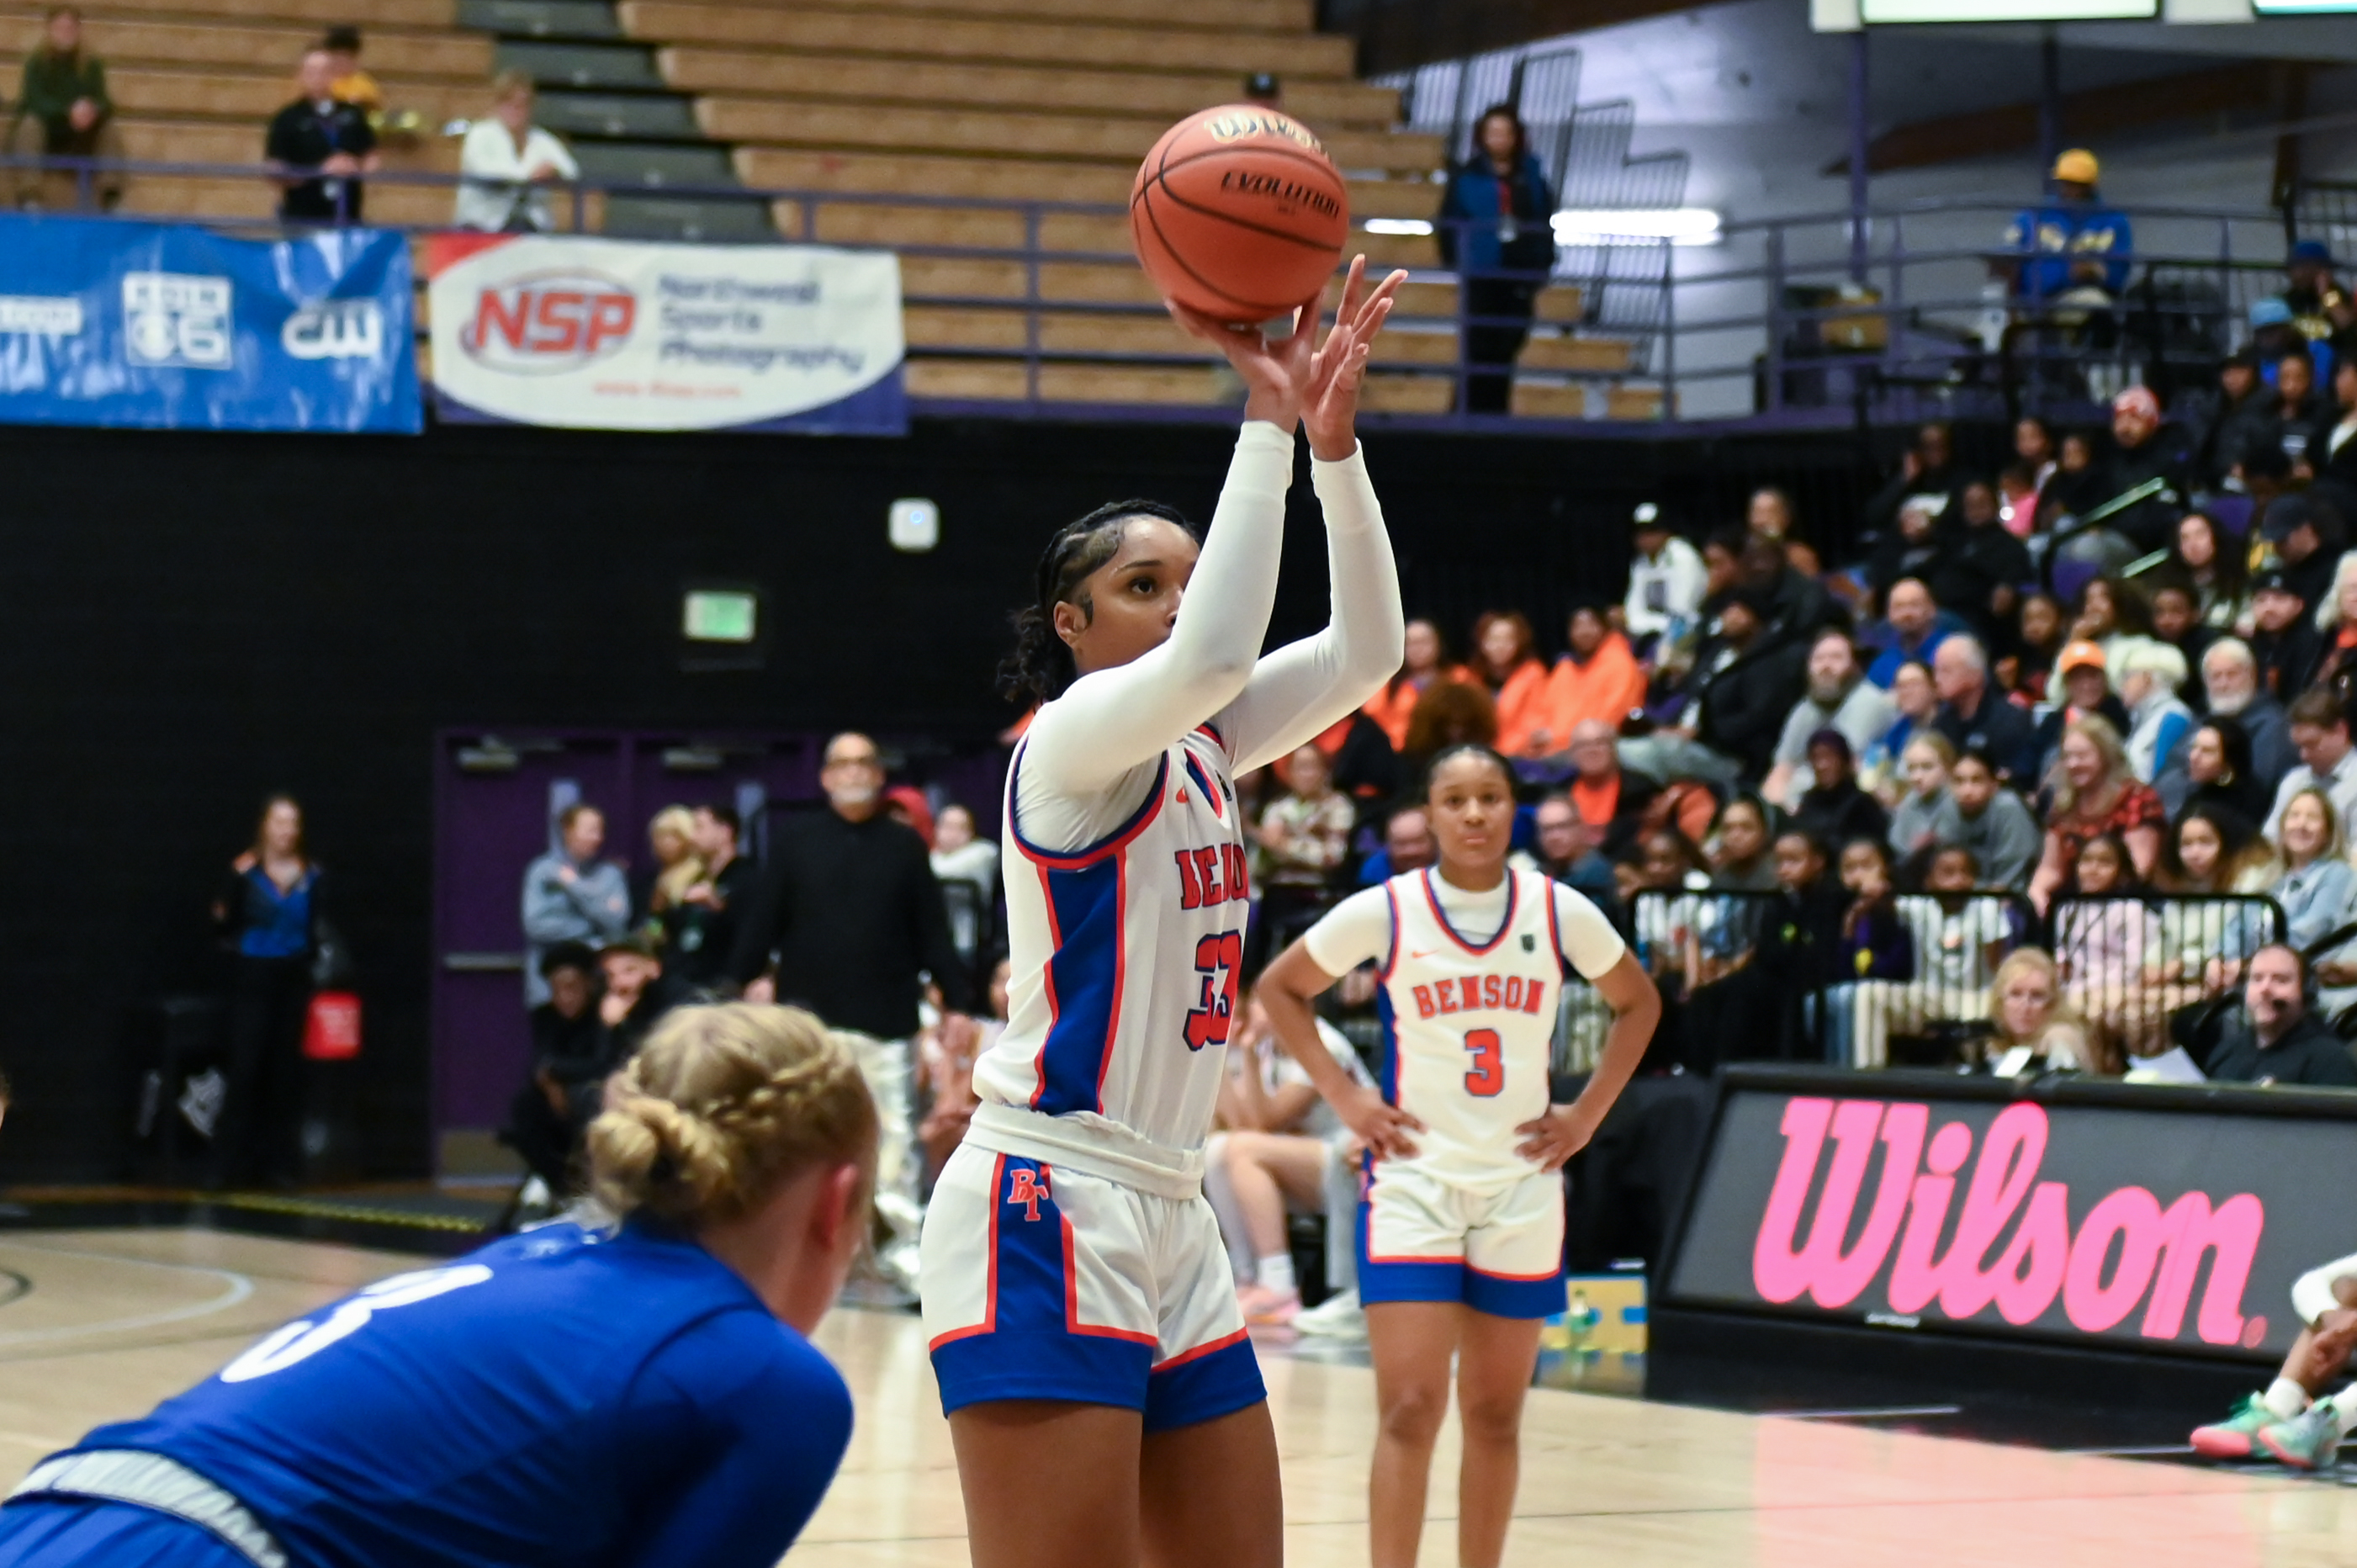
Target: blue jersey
(557, 1398)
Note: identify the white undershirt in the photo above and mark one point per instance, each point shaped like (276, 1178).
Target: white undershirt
(1359, 929)
(1090, 755)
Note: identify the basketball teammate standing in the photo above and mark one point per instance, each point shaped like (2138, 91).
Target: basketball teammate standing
(1461, 1224)
(1104, 1402)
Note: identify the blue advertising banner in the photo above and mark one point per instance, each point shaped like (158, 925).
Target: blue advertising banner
(108, 322)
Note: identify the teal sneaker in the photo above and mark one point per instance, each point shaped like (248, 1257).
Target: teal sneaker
(2306, 1443)
(2234, 1437)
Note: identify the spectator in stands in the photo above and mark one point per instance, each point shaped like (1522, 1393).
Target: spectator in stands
(509, 163)
(2108, 611)
(1838, 696)
(2284, 638)
(2087, 693)
(569, 1044)
(1971, 715)
(2274, 1038)
(949, 1077)
(1304, 837)
(1610, 799)
(2202, 939)
(1875, 945)
(2315, 885)
(1769, 513)
(1666, 581)
(1742, 855)
(1992, 823)
(2142, 457)
(1745, 681)
(1928, 469)
(1917, 698)
(1918, 626)
(63, 110)
(1424, 659)
(2306, 533)
(1505, 658)
(2150, 672)
(269, 916)
(1988, 564)
(1927, 816)
(1795, 603)
(670, 835)
(2296, 407)
(2097, 793)
(2230, 675)
(845, 919)
(1835, 810)
(2027, 1006)
(2074, 249)
(2336, 621)
(2214, 773)
(2034, 447)
(1598, 678)
(1959, 937)
(1916, 548)
(1449, 713)
(2229, 417)
(2319, 730)
(1569, 851)
(2038, 640)
(702, 926)
(960, 853)
(2017, 498)
(570, 894)
(319, 146)
(1495, 231)
(2321, 310)
(1408, 846)
(352, 84)
(2102, 932)
(2177, 622)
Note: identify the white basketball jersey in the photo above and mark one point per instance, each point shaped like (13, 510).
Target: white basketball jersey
(1468, 1027)
(1124, 957)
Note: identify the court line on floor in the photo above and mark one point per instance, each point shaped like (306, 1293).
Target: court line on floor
(238, 1288)
(22, 1287)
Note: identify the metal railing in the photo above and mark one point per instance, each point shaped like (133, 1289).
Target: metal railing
(1754, 331)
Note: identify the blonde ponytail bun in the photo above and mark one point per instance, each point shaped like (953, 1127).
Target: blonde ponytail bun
(720, 1105)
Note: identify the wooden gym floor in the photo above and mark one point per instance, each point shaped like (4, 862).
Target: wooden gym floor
(98, 1324)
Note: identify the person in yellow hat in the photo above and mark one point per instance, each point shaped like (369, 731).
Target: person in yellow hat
(2073, 243)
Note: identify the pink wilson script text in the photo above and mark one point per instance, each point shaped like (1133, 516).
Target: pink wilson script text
(2158, 1251)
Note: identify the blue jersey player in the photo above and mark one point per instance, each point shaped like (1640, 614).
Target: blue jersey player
(562, 1397)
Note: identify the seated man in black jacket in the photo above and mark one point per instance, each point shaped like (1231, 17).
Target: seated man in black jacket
(1746, 679)
(2276, 1037)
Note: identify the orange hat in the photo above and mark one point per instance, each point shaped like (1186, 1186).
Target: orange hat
(2078, 654)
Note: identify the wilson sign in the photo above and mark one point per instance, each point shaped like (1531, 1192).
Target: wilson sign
(2173, 1228)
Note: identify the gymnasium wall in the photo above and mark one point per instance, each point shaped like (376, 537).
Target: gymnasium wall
(190, 621)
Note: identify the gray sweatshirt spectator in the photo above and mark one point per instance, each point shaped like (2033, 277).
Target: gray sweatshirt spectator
(1839, 697)
(570, 896)
(1993, 825)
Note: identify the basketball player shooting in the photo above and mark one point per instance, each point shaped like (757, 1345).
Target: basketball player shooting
(1105, 1405)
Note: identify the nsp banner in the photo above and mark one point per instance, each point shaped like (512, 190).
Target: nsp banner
(616, 335)
(112, 322)
(2076, 1215)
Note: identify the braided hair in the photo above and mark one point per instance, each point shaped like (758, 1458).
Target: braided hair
(720, 1105)
(1041, 665)
(1448, 754)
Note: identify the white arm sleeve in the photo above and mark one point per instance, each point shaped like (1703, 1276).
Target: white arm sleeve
(1298, 691)
(2311, 1293)
(1112, 722)
(1355, 931)
(1590, 945)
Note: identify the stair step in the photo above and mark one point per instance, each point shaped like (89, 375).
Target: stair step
(1322, 105)
(1011, 179)
(1229, 15)
(581, 65)
(656, 164)
(852, 30)
(655, 117)
(1173, 386)
(377, 14)
(540, 18)
(242, 44)
(638, 215)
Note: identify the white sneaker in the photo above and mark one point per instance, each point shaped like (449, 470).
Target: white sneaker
(1338, 1316)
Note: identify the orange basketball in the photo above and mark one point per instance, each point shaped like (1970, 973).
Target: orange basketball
(1239, 213)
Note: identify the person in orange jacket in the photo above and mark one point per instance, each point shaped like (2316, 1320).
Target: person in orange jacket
(1506, 659)
(1425, 660)
(1600, 679)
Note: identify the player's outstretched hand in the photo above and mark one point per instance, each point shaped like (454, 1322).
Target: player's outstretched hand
(1330, 405)
(1276, 370)
(1384, 1128)
(1555, 1137)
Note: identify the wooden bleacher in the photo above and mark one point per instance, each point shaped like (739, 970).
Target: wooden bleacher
(197, 81)
(1055, 100)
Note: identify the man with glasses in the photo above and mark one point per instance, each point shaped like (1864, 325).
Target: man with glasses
(846, 920)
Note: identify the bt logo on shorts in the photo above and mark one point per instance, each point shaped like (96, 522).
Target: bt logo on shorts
(1027, 1187)
(1216, 874)
(1479, 992)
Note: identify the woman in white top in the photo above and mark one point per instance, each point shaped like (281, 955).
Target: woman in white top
(1102, 1397)
(1460, 1227)
(504, 158)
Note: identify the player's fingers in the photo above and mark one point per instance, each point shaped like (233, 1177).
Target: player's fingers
(1383, 295)
(1354, 283)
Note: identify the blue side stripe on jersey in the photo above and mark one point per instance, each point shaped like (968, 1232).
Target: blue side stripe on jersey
(1390, 1044)
(1084, 981)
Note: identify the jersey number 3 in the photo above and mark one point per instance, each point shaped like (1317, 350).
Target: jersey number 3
(1487, 1076)
(1217, 959)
